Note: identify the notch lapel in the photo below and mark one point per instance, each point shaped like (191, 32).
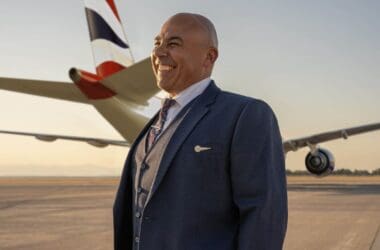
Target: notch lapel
(199, 109)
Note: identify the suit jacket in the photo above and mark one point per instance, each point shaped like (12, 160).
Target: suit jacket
(229, 197)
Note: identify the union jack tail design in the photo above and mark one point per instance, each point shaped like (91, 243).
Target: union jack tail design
(109, 44)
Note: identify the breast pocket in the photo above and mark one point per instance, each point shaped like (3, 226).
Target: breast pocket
(204, 149)
(208, 158)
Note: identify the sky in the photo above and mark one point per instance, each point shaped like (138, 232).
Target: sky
(315, 62)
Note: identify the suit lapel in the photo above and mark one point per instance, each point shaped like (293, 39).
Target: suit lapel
(195, 114)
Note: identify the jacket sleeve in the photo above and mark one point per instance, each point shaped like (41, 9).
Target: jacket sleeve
(258, 178)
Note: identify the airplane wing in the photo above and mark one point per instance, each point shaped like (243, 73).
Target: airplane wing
(288, 145)
(295, 144)
(97, 142)
(59, 90)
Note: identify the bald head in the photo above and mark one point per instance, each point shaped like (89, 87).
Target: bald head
(196, 21)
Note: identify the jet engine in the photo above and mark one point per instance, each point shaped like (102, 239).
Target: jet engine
(320, 162)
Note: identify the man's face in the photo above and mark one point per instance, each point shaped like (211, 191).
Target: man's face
(179, 57)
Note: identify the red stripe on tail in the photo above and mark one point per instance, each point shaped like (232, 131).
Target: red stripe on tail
(113, 8)
(108, 68)
(89, 76)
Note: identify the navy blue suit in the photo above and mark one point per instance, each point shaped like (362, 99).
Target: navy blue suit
(230, 197)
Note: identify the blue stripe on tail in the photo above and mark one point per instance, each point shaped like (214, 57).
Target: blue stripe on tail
(99, 29)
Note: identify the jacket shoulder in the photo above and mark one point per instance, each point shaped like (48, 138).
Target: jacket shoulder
(234, 99)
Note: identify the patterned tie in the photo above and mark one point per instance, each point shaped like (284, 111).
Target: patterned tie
(156, 129)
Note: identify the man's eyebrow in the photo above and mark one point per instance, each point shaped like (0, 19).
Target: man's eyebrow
(158, 38)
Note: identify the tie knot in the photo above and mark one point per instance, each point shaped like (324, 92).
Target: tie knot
(168, 102)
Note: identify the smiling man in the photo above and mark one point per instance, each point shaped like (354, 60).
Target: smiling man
(207, 172)
(184, 52)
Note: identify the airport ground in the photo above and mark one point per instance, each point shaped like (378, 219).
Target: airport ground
(335, 213)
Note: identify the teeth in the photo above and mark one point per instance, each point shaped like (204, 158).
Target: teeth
(164, 67)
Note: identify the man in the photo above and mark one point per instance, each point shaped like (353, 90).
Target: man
(207, 172)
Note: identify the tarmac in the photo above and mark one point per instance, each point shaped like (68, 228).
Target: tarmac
(336, 213)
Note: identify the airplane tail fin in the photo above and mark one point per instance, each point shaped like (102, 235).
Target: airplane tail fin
(109, 43)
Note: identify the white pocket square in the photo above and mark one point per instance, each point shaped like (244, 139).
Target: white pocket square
(199, 148)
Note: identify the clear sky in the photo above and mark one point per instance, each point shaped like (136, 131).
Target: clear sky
(315, 62)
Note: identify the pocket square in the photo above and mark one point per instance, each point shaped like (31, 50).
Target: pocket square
(199, 148)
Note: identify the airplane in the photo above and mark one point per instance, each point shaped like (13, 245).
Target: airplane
(120, 88)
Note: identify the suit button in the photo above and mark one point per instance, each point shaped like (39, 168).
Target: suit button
(139, 190)
(137, 239)
(144, 166)
(138, 214)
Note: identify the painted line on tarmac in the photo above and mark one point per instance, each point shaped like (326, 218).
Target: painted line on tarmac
(376, 240)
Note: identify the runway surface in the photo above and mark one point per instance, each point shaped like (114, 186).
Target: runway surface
(76, 213)
(337, 213)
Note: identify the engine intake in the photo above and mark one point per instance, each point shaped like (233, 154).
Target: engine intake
(321, 162)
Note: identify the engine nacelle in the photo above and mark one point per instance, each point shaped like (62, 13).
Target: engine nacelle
(321, 162)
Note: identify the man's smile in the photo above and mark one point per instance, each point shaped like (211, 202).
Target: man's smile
(162, 67)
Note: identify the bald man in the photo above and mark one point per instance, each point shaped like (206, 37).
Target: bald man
(207, 172)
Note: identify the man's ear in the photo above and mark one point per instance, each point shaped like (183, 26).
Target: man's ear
(212, 55)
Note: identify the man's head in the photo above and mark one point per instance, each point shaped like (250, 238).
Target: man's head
(184, 52)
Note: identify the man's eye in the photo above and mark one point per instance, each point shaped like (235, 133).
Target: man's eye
(173, 44)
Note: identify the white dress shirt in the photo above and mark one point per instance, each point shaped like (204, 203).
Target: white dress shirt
(184, 97)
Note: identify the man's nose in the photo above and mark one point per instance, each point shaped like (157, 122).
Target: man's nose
(159, 51)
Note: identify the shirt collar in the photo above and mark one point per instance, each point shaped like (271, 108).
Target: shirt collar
(188, 94)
